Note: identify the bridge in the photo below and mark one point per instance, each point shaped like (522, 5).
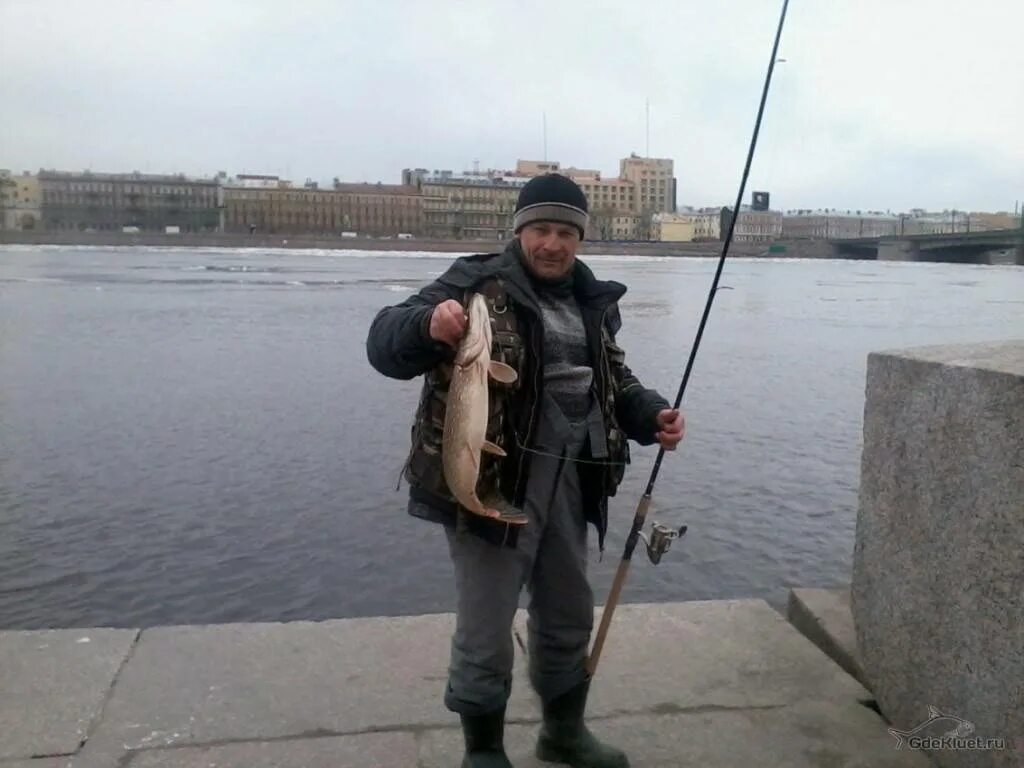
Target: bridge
(999, 246)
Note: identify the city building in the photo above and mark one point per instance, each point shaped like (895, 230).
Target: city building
(473, 205)
(477, 205)
(752, 226)
(673, 228)
(102, 202)
(481, 204)
(832, 224)
(623, 208)
(921, 222)
(272, 205)
(19, 202)
(704, 224)
(977, 221)
(537, 167)
(654, 183)
(259, 181)
(614, 212)
(622, 227)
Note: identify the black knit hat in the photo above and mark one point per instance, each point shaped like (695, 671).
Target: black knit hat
(551, 197)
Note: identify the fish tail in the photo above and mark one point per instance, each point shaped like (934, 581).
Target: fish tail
(902, 736)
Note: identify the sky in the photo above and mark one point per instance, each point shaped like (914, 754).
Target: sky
(879, 104)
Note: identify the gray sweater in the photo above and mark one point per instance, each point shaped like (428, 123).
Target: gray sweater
(567, 369)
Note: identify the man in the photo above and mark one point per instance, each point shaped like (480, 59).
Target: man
(563, 427)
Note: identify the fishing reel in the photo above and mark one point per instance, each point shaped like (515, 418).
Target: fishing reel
(661, 540)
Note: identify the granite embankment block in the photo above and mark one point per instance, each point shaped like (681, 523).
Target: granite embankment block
(938, 576)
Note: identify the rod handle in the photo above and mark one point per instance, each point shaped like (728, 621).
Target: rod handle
(617, 584)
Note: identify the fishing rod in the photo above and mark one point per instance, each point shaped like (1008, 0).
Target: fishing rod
(662, 535)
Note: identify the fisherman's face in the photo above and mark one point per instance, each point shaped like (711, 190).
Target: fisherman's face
(549, 248)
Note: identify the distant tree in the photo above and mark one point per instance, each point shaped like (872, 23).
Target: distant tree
(602, 224)
(644, 226)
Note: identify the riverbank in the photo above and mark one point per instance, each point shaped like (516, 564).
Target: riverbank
(794, 249)
(710, 684)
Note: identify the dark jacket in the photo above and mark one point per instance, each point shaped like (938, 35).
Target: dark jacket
(399, 346)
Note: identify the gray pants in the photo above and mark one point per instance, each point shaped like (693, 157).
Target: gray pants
(550, 559)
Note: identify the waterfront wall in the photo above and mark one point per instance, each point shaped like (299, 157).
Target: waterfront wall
(797, 249)
(938, 577)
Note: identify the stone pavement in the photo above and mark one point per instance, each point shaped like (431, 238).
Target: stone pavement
(715, 684)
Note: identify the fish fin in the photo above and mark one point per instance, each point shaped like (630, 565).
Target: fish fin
(490, 447)
(511, 517)
(518, 518)
(502, 372)
(515, 518)
(499, 509)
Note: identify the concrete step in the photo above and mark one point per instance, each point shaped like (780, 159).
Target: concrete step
(824, 617)
(711, 684)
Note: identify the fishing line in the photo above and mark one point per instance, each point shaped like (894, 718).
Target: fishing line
(662, 536)
(566, 458)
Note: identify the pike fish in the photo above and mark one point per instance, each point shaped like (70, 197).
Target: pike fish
(465, 419)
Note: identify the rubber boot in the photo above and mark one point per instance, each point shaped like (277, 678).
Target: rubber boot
(485, 740)
(565, 739)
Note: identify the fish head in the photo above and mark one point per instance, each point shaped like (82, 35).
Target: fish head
(476, 343)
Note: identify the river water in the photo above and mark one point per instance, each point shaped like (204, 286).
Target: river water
(194, 435)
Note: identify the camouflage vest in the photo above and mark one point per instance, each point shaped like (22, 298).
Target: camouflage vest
(423, 467)
(618, 445)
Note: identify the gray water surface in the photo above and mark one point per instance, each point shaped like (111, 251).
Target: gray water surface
(193, 436)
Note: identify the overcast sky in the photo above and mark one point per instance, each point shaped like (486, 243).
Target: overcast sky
(880, 103)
